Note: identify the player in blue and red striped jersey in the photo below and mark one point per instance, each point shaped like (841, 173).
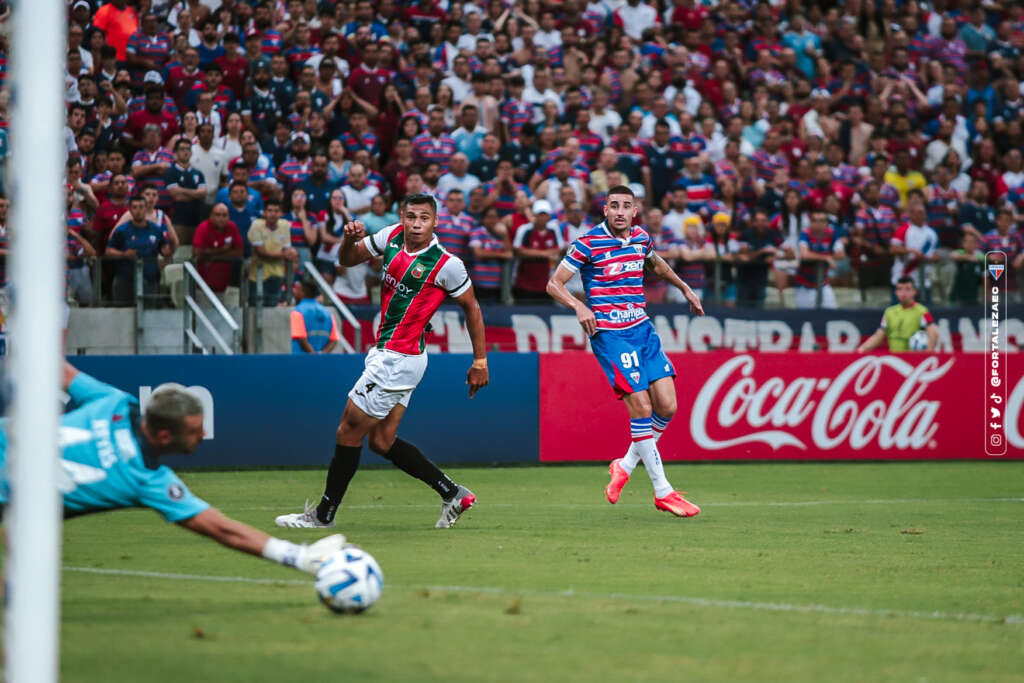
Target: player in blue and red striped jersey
(611, 260)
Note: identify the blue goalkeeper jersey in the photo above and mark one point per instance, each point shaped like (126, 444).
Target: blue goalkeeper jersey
(104, 464)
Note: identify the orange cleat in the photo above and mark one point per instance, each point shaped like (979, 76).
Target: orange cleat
(619, 479)
(677, 505)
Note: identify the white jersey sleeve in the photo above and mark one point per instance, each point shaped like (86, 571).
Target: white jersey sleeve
(377, 242)
(453, 277)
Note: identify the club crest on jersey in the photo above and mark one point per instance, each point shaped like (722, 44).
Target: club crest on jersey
(418, 270)
(635, 376)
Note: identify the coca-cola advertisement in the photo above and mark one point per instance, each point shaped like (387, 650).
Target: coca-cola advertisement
(792, 406)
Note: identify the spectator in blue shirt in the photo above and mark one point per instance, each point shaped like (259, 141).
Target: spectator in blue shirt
(242, 209)
(318, 186)
(240, 173)
(138, 238)
(314, 329)
(805, 44)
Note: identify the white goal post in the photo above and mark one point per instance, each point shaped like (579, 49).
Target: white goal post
(36, 268)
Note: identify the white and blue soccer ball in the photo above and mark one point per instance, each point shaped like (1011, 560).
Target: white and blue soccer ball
(349, 581)
(919, 341)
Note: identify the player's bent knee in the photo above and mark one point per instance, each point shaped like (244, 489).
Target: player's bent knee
(667, 410)
(639, 405)
(381, 443)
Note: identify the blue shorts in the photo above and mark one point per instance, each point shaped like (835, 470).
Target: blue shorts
(631, 358)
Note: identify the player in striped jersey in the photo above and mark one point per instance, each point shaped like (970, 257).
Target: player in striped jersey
(611, 259)
(418, 275)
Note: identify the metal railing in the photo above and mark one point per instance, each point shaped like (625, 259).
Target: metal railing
(193, 312)
(139, 301)
(342, 309)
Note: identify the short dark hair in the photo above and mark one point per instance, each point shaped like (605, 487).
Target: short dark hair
(180, 142)
(272, 202)
(621, 189)
(236, 183)
(418, 199)
(309, 287)
(136, 198)
(905, 280)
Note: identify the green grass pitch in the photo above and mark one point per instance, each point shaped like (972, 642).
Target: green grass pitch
(793, 572)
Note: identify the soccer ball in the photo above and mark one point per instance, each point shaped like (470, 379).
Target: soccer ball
(919, 341)
(349, 581)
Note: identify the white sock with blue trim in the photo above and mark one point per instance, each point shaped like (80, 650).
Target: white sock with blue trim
(658, 426)
(642, 432)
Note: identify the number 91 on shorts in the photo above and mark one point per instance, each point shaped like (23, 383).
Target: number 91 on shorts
(631, 358)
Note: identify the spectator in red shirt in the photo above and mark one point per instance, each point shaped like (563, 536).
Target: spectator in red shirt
(184, 77)
(368, 79)
(109, 211)
(216, 244)
(538, 247)
(234, 65)
(154, 114)
(119, 22)
(824, 185)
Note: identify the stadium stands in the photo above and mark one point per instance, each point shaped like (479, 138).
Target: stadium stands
(861, 111)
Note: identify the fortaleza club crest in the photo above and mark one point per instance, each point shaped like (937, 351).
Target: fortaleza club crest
(418, 270)
(635, 376)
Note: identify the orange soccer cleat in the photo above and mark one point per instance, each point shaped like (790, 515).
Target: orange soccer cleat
(619, 479)
(677, 505)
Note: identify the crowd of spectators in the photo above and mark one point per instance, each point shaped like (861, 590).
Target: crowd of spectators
(775, 145)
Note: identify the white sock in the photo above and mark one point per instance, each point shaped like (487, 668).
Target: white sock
(631, 459)
(648, 452)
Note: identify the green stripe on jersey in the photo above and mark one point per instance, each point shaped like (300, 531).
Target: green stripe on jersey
(413, 282)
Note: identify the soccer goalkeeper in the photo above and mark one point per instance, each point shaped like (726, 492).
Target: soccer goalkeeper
(110, 460)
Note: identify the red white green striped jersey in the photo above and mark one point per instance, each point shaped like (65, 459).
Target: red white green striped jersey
(413, 286)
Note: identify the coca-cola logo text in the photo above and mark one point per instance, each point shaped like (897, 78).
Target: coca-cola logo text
(839, 407)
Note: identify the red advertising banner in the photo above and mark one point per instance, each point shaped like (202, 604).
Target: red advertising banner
(791, 406)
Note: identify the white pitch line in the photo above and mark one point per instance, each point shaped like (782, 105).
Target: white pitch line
(703, 504)
(1013, 619)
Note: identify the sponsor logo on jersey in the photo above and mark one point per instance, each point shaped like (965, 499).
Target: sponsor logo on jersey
(395, 284)
(630, 267)
(619, 315)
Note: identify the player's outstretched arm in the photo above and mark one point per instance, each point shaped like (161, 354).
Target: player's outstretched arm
(70, 373)
(353, 251)
(478, 376)
(933, 336)
(212, 523)
(875, 340)
(659, 267)
(556, 288)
